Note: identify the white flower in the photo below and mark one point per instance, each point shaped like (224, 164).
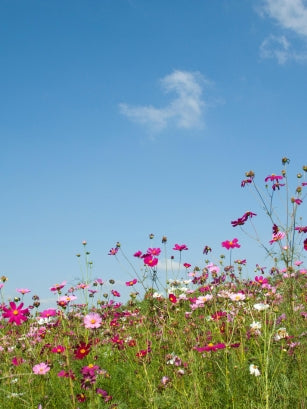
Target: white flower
(255, 325)
(261, 306)
(253, 370)
(280, 334)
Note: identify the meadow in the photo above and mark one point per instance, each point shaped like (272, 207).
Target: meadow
(212, 337)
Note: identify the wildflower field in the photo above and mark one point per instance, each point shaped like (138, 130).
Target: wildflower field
(219, 335)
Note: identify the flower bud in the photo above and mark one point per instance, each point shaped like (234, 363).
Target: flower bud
(283, 172)
(164, 239)
(305, 168)
(151, 236)
(298, 189)
(299, 175)
(250, 174)
(285, 161)
(118, 245)
(111, 281)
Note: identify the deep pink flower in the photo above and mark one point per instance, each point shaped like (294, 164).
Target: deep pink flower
(243, 219)
(296, 200)
(273, 177)
(231, 244)
(277, 185)
(186, 265)
(58, 287)
(172, 298)
(301, 229)
(150, 261)
(154, 251)
(41, 369)
(66, 374)
(138, 254)
(246, 181)
(115, 293)
(59, 349)
(180, 247)
(210, 347)
(305, 244)
(92, 320)
(131, 282)
(17, 360)
(261, 280)
(15, 314)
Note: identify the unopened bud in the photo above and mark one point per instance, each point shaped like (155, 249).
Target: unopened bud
(305, 168)
(283, 172)
(151, 236)
(249, 174)
(298, 189)
(299, 175)
(164, 239)
(285, 161)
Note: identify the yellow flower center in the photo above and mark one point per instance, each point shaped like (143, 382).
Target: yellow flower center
(15, 312)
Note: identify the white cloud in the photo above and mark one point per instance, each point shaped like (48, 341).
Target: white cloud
(290, 14)
(186, 109)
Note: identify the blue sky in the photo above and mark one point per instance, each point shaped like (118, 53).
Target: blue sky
(121, 118)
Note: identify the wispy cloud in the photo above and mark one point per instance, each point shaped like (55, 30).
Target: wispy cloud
(279, 48)
(185, 110)
(290, 15)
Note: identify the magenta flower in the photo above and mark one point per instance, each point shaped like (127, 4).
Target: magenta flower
(301, 229)
(210, 347)
(131, 282)
(243, 219)
(246, 181)
(92, 320)
(15, 314)
(277, 237)
(41, 369)
(273, 177)
(179, 247)
(48, 313)
(261, 280)
(58, 287)
(154, 251)
(305, 244)
(186, 265)
(231, 244)
(115, 293)
(138, 254)
(150, 261)
(296, 200)
(59, 349)
(172, 298)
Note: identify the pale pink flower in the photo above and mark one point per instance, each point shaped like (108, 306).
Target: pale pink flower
(23, 291)
(92, 320)
(237, 296)
(277, 237)
(41, 369)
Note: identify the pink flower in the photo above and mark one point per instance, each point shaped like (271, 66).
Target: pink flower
(23, 291)
(179, 247)
(138, 254)
(154, 251)
(115, 293)
(92, 320)
(15, 314)
(172, 298)
(48, 313)
(243, 219)
(150, 261)
(58, 287)
(17, 360)
(41, 369)
(131, 283)
(278, 236)
(113, 251)
(186, 265)
(246, 181)
(305, 244)
(231, 244)
(296, 200)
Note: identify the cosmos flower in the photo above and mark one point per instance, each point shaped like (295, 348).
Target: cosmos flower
(150, 261)
(231, 244)
(58, 287)
(180, 247)
(172, 298)
(253, 370)
(131, 282)
(273, 178)
(41, 369)
(82, 350)
(210, 347)
(277, 237)
(154, 251)
(23, 291)
(92, 320)
(15, 314)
